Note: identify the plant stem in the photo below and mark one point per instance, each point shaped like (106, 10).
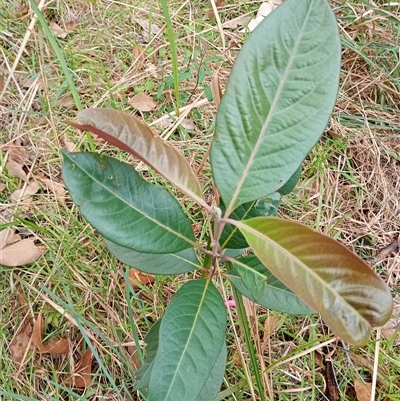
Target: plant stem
(215, 236)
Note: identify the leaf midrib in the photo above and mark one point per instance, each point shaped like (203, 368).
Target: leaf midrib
(267, 121)
(301, 264)
(193, 189)
(189, 337)
(132, 206)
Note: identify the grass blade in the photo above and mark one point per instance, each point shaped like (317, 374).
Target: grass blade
(63, 63)
(174, 54)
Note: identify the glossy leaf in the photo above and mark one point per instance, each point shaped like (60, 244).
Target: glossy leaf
(172, 263)
(328, 277)
(213, 384)
(255, 282)
(192, 334)
(291, 183)
(231, 237)
(152, 340)
(278, 100)
(210, 389)
(232, 253)
(123, 207)
(134, 136)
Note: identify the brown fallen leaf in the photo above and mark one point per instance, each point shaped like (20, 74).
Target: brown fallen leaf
(148, 28)
(236, 22)
(53, 346)
(7, 233)
(363, 391)
(37, 332)
(137, 278)
(265, 9)
(142, 102)
(168, 122)
(69, 145)
(72, 25)
(66, 102)
(40, 372)
(28, 82)
(219, 4)
(140, 57)
(15, 238)
(188, 124)
(20, 253)
(333, 134)
(57, 188)
(367, 362)
(58, 347)
(15, 170)
(62, 33)
(23, 193)
(21, 346)
(133, 356)
(18, 153)
(2, 186)
(270, 325)
(83, 370)
(58, 31)
(251, 314)
(392, 248)
(22, 300)
(5, 236)
(332, 390)
(216, 90)
(388, 332)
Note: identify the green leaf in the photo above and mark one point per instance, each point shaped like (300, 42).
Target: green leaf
(152, 340)
(291, 183)
(125, 208)
(231, 237)
(213, 384)
(255, 282)
(172, 263)
(278, 100)
(134, 136)
(232, 253)
(327, 276)
(192, 333)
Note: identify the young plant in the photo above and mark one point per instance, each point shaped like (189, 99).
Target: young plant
(278, 100)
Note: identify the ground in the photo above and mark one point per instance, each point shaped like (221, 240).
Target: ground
(113, 51)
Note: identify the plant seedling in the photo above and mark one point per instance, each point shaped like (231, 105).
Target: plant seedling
(278, 100)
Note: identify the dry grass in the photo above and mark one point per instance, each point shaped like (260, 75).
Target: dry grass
(350, 188)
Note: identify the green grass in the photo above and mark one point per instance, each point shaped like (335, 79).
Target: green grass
(348, 190)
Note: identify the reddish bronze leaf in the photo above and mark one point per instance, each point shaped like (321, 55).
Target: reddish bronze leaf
(323, 273)
(132, 135)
